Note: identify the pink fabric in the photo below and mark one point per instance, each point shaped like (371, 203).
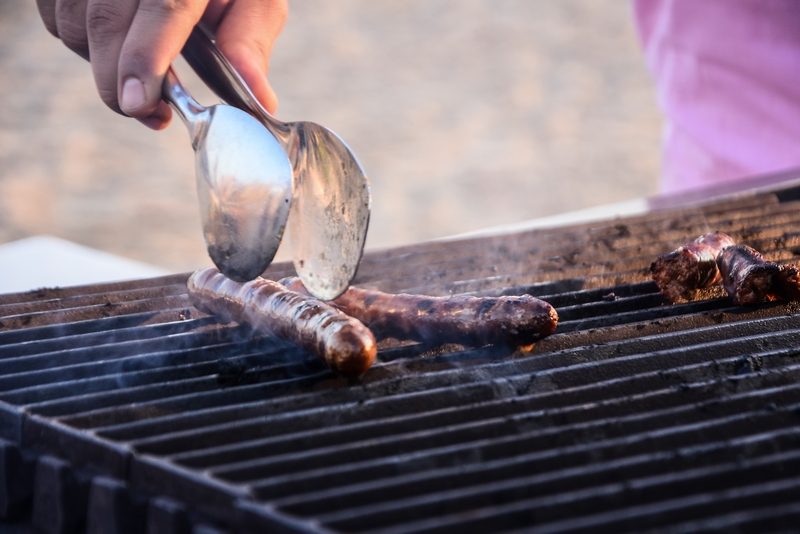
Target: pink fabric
(727, 74)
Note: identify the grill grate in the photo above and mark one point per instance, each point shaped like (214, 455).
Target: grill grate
(635, 415)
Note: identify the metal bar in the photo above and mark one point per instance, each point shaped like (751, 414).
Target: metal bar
(130, 381)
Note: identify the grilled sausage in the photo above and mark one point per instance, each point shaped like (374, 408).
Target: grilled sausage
(693, 266)
(344, 343)
(786, 283)
(468, 320)
(747, 277)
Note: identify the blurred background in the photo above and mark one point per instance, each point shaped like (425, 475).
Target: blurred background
(464, 113)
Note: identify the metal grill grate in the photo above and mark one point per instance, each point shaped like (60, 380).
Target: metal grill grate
(635, 415)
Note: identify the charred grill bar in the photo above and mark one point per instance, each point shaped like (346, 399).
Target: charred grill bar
(124, 409)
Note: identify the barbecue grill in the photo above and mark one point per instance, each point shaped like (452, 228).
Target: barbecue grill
(124, 409)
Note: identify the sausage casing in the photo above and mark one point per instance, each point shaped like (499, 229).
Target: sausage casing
(693, 266)
(516, 320)
(786, 283)
(343, 342)
(747, 277)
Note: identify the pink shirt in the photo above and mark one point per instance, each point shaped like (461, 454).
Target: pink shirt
(727, 74)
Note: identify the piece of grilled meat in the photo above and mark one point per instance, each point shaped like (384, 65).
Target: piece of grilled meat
(514, 320)
(342, 342)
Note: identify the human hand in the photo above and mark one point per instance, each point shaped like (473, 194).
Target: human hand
(131, 44)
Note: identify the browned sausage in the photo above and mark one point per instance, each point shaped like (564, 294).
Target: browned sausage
(747, 277)
(693, 266)
(343, 342)
(786, 283)
(467, 320)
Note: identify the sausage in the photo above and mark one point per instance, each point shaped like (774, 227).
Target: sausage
(516, 320)
(693, 266)
(747, 277)
(342, 342)
(786, 283)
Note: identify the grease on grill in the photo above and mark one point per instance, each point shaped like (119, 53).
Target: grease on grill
(232, 373)
(749, 364)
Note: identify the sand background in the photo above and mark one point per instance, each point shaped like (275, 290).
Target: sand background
(464, 113)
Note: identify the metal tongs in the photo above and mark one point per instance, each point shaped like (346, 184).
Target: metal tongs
(330, 207)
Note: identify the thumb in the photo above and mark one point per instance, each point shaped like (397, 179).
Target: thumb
(154, 40)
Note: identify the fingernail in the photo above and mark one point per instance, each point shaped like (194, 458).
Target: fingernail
(132, 95)
(154, 123)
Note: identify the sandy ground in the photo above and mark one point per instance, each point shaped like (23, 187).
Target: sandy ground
(464, 113)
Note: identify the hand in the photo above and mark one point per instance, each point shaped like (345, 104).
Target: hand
(131, 44)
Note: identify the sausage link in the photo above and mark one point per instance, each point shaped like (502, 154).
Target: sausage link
(747, 277)
(786, 283)
(342, 342)
(693, 266)
(516, 320)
